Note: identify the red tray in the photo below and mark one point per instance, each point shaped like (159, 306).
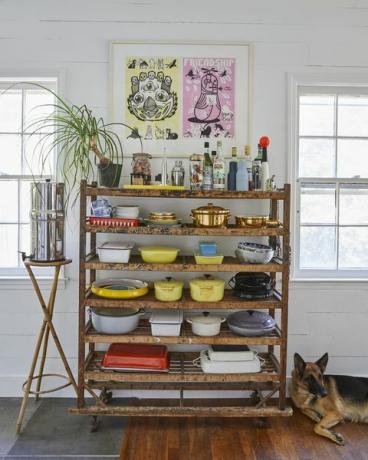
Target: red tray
(136, 356)
(113, 221)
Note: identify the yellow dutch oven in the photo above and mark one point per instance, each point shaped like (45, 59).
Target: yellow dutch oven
(159, 254)
(207, 289)
(120, 288)
(168, 290)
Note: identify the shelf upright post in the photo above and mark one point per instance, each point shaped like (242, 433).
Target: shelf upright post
(285, 296)
(82, 293)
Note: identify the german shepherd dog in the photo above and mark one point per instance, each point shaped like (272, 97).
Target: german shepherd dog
(328, 399)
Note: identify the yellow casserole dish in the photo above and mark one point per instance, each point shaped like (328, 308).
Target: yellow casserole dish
(158, 254)
(168, 290)
(217, 259)
(207, 289)
(120, 288)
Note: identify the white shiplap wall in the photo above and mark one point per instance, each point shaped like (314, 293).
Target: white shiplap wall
(73, 37)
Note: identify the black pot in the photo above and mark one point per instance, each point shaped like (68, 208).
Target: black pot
(109, 174)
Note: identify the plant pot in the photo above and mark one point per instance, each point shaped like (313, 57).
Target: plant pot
(109, 174)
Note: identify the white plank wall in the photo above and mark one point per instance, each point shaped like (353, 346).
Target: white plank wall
(289, 35)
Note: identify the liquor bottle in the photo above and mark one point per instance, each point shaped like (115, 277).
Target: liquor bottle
(248, 160)
(256, 170)
(219, 169)
(233, 167)
(242, 179)
(265, 168)
(207, 168)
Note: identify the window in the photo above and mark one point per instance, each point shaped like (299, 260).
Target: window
(22, 160)
(331, 182)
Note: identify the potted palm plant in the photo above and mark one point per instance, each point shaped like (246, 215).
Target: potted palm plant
(82, 141)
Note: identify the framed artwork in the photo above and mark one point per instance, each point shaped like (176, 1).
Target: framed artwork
(181, 94)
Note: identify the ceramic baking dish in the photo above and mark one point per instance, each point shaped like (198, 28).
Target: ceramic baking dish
(136, 356)
(217, 259)
(159, 254)
(166, 322)
(117, 252)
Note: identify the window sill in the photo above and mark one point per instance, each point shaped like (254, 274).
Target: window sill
(24, 282)
(329, 283)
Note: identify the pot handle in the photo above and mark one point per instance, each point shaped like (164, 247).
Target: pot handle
(141, 311)
(231, 282)
(189, 320)
(223, 319)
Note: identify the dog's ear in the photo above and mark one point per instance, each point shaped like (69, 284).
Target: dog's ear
(299, 364)
(322, 362)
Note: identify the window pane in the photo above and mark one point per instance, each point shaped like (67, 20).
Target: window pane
(25, 200)
(316, 115)
(8, 245)
(316, 158)
(11, 111)
(10, 154)
(8, 201)
(37, 106)
(25, 239)
(38, 159)
(317, 247)
(353, 247)
(354, 205)
(318, 204)
(352, 158)
(353, 116)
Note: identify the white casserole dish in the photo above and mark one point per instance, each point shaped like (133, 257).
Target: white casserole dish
(166, 323)
(115, 320)
(206, 325)
(227, 367)
(115, 252)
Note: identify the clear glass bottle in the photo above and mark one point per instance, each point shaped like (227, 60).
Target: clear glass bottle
(219, 169)
(196, 171)
(207, 168)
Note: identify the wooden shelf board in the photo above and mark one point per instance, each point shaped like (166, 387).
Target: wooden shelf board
(188, 386)
(183, 264)
(143, 335)
(187, 230)
(181, 369)
(200, 194)
(186, 303)
(185, 408)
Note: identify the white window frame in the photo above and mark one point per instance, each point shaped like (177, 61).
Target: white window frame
(11, 277)
(352, 83)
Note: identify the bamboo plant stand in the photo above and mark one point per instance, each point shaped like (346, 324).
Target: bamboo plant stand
(43, 338)
(183, 375)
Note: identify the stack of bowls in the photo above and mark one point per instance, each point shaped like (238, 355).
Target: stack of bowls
(126, 211)
(162, 218)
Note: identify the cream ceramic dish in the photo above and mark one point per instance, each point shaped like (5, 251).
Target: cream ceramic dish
(159, 254)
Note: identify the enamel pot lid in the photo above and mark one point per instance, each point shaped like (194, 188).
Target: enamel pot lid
(251, 319)
(211, 209)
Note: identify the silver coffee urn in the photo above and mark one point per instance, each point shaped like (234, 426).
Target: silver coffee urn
(47, 221)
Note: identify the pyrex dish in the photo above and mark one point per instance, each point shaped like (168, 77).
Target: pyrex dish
(115, 320)
(159, 254)
(168, 290)
(119, 288)
(206, 325)
(253, 253)
(251, 323)
(166, 323)
(210, 216)
(207, 289)
(115, 252)
(216, 259)
(228, 367)
(207, 248)
(129, 356)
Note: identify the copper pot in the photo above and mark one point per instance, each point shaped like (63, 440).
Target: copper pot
(210, 216)
(251, 221)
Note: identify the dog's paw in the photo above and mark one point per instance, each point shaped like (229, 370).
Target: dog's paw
(336, 437)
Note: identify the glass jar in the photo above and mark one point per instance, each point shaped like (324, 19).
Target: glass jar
(141, 169)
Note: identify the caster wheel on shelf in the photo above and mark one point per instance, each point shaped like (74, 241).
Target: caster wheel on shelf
(260, 422)
(95, 423)
(106, 396)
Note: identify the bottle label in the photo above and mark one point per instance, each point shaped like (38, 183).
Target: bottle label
(218, 177)
(207, 178)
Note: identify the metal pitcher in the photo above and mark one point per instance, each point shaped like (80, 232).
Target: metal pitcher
(47, 221)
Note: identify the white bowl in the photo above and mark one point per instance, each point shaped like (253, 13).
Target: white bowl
(127, 212)
(249, 256)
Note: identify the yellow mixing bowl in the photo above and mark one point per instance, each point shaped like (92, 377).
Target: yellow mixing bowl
(159, 254)
(120, 288)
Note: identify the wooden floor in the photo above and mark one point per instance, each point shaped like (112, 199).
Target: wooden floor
(286, 438)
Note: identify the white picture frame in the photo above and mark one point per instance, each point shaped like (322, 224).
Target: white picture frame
(121, 55)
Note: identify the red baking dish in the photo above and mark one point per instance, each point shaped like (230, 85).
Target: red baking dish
(126, 356)
(113, 221)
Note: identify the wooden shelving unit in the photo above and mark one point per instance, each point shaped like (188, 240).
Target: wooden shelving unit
(183, 375)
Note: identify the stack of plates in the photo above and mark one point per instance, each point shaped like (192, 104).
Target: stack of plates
(162, 219)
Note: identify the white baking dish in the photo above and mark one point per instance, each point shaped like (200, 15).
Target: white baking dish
(115, 252)
(166, 322)
(227, 367)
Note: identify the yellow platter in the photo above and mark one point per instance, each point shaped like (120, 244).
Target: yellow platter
(120, 288)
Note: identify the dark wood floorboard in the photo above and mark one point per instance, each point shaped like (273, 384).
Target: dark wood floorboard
(289, 438)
